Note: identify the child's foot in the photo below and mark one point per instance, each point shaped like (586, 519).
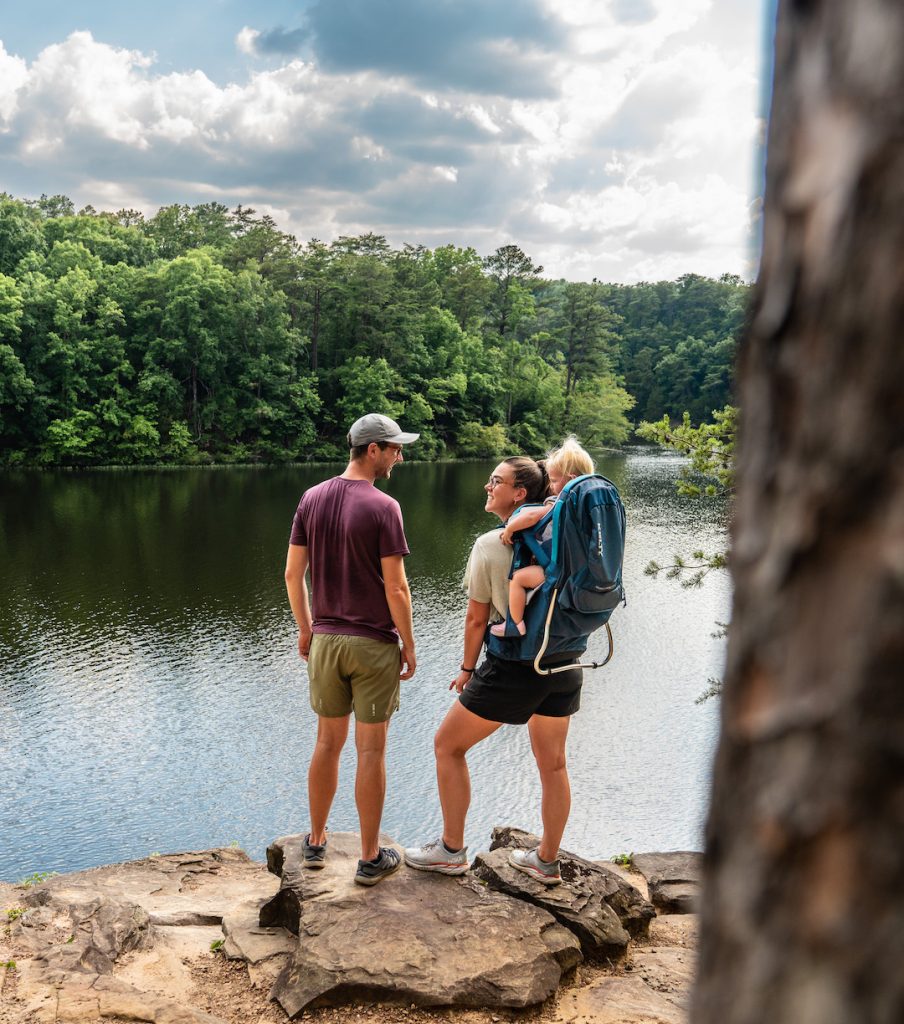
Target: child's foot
(500, 629)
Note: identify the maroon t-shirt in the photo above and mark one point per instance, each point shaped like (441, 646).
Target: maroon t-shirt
(347, 527)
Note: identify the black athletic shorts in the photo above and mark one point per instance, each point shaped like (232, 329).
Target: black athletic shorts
(511, 691)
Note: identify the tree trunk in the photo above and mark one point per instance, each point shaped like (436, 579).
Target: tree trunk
(195, 408)
(803, 906)
(315, 330)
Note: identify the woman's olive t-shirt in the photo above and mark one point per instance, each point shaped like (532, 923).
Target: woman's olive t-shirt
(486, 576)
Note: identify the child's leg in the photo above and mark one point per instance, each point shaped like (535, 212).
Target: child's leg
(523, 580)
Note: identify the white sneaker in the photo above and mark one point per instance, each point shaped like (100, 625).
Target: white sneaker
(529, 862)
(435, 857)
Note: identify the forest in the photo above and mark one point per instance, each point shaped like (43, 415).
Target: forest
(203, 335)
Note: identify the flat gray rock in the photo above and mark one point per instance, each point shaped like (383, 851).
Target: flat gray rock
(668, 971)
(673, 879)
(265, 951)
(599, 906)
(112, 941)
(92, 1000)
(416, 937)
(675, 930)
(177, 888)
(618, 1000)
(97, 932)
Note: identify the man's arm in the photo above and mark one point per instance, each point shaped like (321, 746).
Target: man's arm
(297, 588)
(527, 517)
(398, 597)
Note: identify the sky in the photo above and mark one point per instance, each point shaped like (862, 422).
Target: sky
(609, 139)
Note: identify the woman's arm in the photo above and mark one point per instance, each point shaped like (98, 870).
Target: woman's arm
(476, 618)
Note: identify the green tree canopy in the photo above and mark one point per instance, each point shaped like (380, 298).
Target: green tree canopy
(206, 334)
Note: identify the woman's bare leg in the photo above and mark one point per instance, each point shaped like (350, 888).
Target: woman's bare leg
(461, 729)
(547, 740)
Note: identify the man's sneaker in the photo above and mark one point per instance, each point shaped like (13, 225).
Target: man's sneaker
(312, 856)
(529, 862)
(435, 857)
(370, 872)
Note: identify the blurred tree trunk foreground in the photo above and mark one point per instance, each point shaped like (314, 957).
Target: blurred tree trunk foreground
(803, 906)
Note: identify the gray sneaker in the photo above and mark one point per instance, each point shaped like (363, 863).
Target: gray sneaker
(435, 857)
(369, 872)
(529, 862)
(312, 856)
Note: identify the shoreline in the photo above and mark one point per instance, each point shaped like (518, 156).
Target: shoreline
(113, 467)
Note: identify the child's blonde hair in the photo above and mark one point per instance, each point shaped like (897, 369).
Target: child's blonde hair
(569, 458)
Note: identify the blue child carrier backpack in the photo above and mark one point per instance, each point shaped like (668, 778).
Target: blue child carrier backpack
(583, 585)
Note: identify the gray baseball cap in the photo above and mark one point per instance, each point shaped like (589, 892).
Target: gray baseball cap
(377, 427)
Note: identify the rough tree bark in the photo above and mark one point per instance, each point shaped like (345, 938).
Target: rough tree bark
(803, 908)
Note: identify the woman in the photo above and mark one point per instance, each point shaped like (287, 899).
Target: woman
(501, 692)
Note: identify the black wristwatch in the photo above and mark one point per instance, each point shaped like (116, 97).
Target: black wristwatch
(470, 671)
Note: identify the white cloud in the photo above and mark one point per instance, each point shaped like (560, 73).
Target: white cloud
(80, 84)
(648, 154)
(13, 73)
(246, 41)
(601, 27)
(117, 195)
(481, 117)
(366, 148)
(642, 158)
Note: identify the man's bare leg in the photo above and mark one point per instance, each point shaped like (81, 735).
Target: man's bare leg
(370, 783)
(323, 774)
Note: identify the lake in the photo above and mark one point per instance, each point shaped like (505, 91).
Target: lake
(152, 699)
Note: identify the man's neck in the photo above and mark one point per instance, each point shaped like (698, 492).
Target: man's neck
(359, 471)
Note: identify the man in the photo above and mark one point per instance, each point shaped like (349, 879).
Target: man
(351, 536)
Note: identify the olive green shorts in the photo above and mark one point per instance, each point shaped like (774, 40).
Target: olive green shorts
(354, 673)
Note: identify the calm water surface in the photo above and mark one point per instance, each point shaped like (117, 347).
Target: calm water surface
(151, 697)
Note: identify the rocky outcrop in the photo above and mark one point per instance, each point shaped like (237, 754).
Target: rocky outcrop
(78, 937)
(134, 942)
(603, 910)
(416, 938)
(100, 930)
(673, 880)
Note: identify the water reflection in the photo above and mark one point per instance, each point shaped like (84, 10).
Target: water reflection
(151, 697)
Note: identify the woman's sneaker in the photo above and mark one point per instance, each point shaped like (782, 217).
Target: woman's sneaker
(312, 856)
(436, 857)
(372, 871)
(529, 862)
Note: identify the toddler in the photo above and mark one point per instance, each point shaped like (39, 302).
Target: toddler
(564, 463)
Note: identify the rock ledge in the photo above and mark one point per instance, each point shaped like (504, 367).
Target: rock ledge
(133, 942)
